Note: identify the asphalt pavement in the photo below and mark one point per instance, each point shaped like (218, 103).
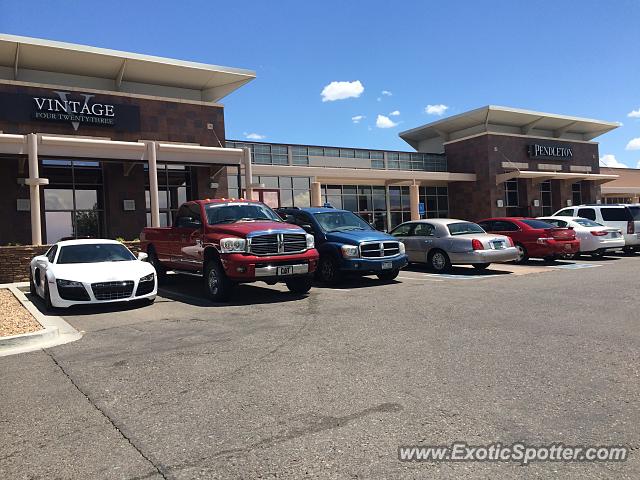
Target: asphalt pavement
(330, 384)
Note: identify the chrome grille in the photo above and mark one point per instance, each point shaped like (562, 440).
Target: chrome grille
(112, 290)
(278, 243)
(379, 249)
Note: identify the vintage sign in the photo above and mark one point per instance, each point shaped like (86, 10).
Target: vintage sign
(537, 150)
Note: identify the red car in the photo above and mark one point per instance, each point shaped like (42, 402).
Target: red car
(229, 241)
(534, 238)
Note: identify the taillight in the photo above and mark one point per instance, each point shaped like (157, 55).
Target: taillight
(599, 233)
(477, 244)
(631, 227)
(510, 240)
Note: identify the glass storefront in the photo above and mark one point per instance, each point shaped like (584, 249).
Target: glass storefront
(277, 191)
(174, 188)
(73, 200)
(545, 198)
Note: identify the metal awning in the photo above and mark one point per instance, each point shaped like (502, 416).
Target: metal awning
(543, 176)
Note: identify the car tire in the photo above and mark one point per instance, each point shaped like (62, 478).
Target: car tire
(161, 272)
(32, 286)
(597, 254)
(481, 266)
(329, 271)
(299, 286)
(47, 297)
(439, 261)
(217, 285)
(523, 256)
(388, 275)
(549, 258)
(629, 250)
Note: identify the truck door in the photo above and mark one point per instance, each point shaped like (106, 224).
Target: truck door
(187, 232)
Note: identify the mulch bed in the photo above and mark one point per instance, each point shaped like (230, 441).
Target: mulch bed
(14, 318)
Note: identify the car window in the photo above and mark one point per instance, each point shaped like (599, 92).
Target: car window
(463, 228)
(51, 254)
(95, 253)
(234, 212)
(402, 230)
(340, 221)
(424, 230)
(589, 213)
(555, 222)
(621, 214)
(585, 222)
(568, 212)
(635, 213)
(537, 223)
(504, 226)
(487, 226)
(194, 211)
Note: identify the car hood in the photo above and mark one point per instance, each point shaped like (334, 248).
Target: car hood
(242, 229)
(353, 237)
(103, 271)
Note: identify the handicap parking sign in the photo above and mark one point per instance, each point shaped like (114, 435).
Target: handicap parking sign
(421, 209)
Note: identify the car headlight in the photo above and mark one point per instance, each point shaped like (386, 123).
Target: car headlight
(349, 251)
(310, 241)
(401, 247)
(68, 283)
(233, 245)
(147, 278)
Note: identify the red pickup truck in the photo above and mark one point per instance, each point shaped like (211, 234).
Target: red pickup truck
(230, 241)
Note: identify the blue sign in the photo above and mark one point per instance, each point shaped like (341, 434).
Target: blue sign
(421, 209)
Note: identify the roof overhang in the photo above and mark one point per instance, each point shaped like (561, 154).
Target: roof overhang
(63, 64)
(543, 176)
(496, 119)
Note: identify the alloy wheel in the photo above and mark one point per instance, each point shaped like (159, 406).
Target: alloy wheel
(438, 261)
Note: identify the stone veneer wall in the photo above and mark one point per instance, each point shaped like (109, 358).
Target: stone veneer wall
(14, 261)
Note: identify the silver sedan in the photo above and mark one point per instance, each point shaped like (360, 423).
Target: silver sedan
(441, 242)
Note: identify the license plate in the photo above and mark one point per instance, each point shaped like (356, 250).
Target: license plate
(498, 244)
(286, 270)
(387, 265)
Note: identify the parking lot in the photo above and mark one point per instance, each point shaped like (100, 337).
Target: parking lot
(330, 384)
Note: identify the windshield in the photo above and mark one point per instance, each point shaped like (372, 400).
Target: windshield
(236, 212)
(341, 221)
(585, 222)
(95, 253)
(463, 228)
(635, 212)
(537, 224)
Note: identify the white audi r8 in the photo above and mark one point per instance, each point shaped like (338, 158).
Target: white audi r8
(78, 272)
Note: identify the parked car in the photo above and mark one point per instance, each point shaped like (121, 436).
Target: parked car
(534, 238)
(347, 244)
(595, 239)
(623, 217)
(228, 241)
(442, 242)
(78, 272)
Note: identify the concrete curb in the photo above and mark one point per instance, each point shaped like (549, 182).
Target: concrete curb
(55, 331)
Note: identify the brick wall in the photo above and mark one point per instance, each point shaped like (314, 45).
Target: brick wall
(14, 261)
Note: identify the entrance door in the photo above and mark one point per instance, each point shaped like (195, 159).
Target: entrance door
(268, 197)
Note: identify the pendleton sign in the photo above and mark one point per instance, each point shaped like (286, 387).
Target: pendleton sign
(549, 151)
(75, 109)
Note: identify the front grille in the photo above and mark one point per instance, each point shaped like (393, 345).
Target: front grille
(278, 243)
(112, 290)
(379, 249)
(75, 293)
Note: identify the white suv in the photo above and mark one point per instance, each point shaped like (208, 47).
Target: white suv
(624, 217)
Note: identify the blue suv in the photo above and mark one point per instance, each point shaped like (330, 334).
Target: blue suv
(348, 244)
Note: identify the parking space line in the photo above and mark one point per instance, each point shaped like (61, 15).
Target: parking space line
(575, 266)
(421, 279)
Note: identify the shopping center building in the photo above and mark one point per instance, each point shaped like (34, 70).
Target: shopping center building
(96, 142)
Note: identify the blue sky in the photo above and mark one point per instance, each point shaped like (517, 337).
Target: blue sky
(576, 57)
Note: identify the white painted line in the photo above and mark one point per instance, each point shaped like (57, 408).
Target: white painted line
(574, 266)
(421, 279)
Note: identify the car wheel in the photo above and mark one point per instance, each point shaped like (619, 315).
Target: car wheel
(32, 286)
(481, 266)
(597, 254)
(47, 297)
(161, 272)
(299, 285)
(522, 254)
(328, 270)
(549, 258)
(439, 261)
(628, 250)
(217, 285)
(388, 275)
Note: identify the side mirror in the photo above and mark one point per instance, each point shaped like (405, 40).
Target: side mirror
(307, 228)
(142, 256)
(41, 258)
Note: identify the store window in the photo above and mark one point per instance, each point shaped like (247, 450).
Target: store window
(174, 188)
(576, 193)
(73, 200)
(545, 198)
(365, 200)
(511, 197)
(436, 200)
(277, 191)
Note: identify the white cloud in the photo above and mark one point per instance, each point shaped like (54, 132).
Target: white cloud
(385, 122)
(638, 164)
(634, 113)
(357, 118)
(386, 92)
(609, 160)
(395, 113)
(634, 144)
(436, 109)
(254, 136)
(341, 90)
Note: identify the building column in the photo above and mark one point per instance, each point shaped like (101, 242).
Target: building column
(248, 173)
(316, 194)
(414, 200)
(34, 189)
(152, 155)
